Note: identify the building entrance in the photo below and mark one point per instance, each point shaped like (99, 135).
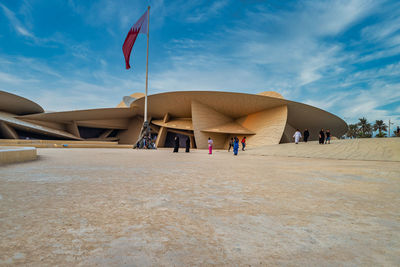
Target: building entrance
(170, 140)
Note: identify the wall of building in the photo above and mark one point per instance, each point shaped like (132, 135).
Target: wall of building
(287, 136)
(268, 125)
(131, 135)
(204, 117)
(7, 132)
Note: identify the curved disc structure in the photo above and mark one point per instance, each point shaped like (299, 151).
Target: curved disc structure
(19, 105)
(271, 118)
(265, 118)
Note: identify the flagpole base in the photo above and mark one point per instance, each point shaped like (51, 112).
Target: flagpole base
(144, 141)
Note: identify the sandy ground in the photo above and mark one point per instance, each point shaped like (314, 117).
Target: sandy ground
(116, 207)
(383, 149)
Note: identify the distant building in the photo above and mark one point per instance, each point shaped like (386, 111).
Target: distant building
(265, 119)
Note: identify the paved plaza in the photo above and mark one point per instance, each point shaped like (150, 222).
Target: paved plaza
(116, 207)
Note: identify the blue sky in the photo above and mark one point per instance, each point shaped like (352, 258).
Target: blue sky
(341, 56)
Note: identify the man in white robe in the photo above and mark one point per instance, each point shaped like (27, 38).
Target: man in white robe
(297, 136)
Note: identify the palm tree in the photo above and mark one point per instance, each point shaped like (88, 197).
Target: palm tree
(381, 127)
(365, 128)
(352, 132)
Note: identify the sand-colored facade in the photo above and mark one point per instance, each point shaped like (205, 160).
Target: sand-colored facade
(265, 119)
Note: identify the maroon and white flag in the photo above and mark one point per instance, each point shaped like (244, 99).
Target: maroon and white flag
(139, 27)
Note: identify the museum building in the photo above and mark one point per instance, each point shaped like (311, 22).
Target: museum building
(265, 119)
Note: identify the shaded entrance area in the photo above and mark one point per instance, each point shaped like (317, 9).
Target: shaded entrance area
(169, 128)
(170, 140)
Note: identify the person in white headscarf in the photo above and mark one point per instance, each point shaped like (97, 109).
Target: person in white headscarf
(210, 145)
(297, 136)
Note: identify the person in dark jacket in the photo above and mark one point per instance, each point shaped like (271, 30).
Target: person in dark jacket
(230, 144)
(321, 136)
(187, 144)
(328, 137)
(176, 144)
(306, 134)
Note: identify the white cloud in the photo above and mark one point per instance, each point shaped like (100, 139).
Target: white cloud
(205, 13)
(24, 32)
(379, 54)
(27, 32)
(36, 66)
(311, 70)
(386, 72)
(295, 47)
(81, 89)
(382, 31)
(385, 28)
(105, 12)
(6, 78)
(356, 103)
(15, 23)
(333, 17)
(368, 103)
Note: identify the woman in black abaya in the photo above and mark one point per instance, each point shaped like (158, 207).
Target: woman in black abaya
(321, 137)
(187, 144)
(176, 144)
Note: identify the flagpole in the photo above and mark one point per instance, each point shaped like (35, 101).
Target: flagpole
(147, 68)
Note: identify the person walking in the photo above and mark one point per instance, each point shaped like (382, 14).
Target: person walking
(328, 136)
(187, 145)
(176, 144)
(243, 143)
(230, 144)
(235, 146)
(210, 145)
(297, 136)
(306, 135)
(321, 136)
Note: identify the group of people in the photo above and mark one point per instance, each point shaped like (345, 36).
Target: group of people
(324, 136)
(233, 143)
(146, 143)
